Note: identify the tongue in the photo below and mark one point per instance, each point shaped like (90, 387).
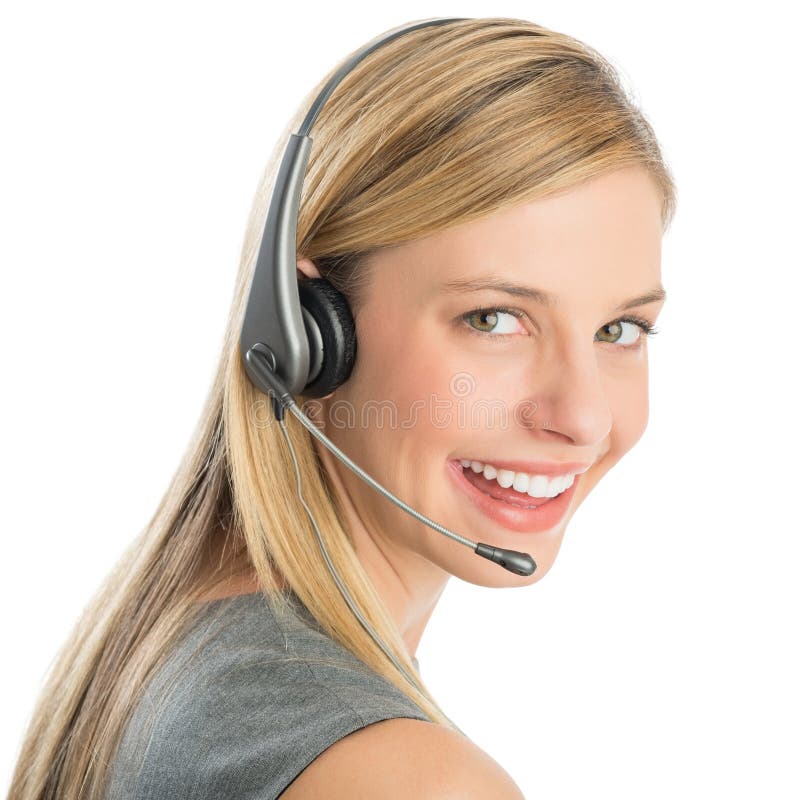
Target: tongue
(495, 490)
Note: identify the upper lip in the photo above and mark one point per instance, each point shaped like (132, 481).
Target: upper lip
(536, 467)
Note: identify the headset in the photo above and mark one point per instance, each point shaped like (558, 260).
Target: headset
(298, 335)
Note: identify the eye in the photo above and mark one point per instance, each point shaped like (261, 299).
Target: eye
(487, 322)
(617, 333)
(488, 318)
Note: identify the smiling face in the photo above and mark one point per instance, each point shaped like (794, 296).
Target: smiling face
(442, 375)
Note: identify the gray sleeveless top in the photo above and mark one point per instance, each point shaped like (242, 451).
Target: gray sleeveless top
(247, 700)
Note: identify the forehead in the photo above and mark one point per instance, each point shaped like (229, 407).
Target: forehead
(606, 231)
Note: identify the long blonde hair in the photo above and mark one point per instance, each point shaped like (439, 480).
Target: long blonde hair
(437, 128)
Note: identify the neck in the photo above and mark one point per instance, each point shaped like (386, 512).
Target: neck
(409, 584)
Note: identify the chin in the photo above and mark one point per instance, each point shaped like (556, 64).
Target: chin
(471, 568)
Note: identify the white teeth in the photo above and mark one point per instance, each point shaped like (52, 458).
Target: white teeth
(521, 481)
(505, 477)
(533, 485)
(538, 487)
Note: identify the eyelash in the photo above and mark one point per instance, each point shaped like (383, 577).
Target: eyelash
(646, 327)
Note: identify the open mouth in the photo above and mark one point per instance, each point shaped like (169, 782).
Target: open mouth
(513, 509)
(523, 490)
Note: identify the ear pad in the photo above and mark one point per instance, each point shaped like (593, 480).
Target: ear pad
(331, 333)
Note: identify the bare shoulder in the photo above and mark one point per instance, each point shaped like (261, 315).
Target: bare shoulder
(397, 759)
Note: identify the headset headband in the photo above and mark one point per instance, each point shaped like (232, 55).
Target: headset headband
(274, 324)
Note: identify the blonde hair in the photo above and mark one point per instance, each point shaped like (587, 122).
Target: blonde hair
(437, 128)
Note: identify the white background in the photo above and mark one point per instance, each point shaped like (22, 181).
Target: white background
(658, 658)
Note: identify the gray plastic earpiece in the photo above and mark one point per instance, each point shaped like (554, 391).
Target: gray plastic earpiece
(273, 314)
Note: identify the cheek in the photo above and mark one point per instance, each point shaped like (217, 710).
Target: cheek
(630, 408)
(451, 396)
(629, 405)
(395, 377)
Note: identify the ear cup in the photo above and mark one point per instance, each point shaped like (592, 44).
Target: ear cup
(331, 333)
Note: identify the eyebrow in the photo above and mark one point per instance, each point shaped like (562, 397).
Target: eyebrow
(540, 296)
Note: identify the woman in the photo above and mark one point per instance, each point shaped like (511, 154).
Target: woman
(491, 204)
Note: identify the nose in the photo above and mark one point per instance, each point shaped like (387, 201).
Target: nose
(570, 400)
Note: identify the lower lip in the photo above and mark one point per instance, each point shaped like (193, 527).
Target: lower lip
(515, 518)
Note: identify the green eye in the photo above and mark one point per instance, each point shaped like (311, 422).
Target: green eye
(615, 331)
(488, 322)
(485, 321)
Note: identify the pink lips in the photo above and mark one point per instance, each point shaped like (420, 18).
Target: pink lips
(547, 514)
